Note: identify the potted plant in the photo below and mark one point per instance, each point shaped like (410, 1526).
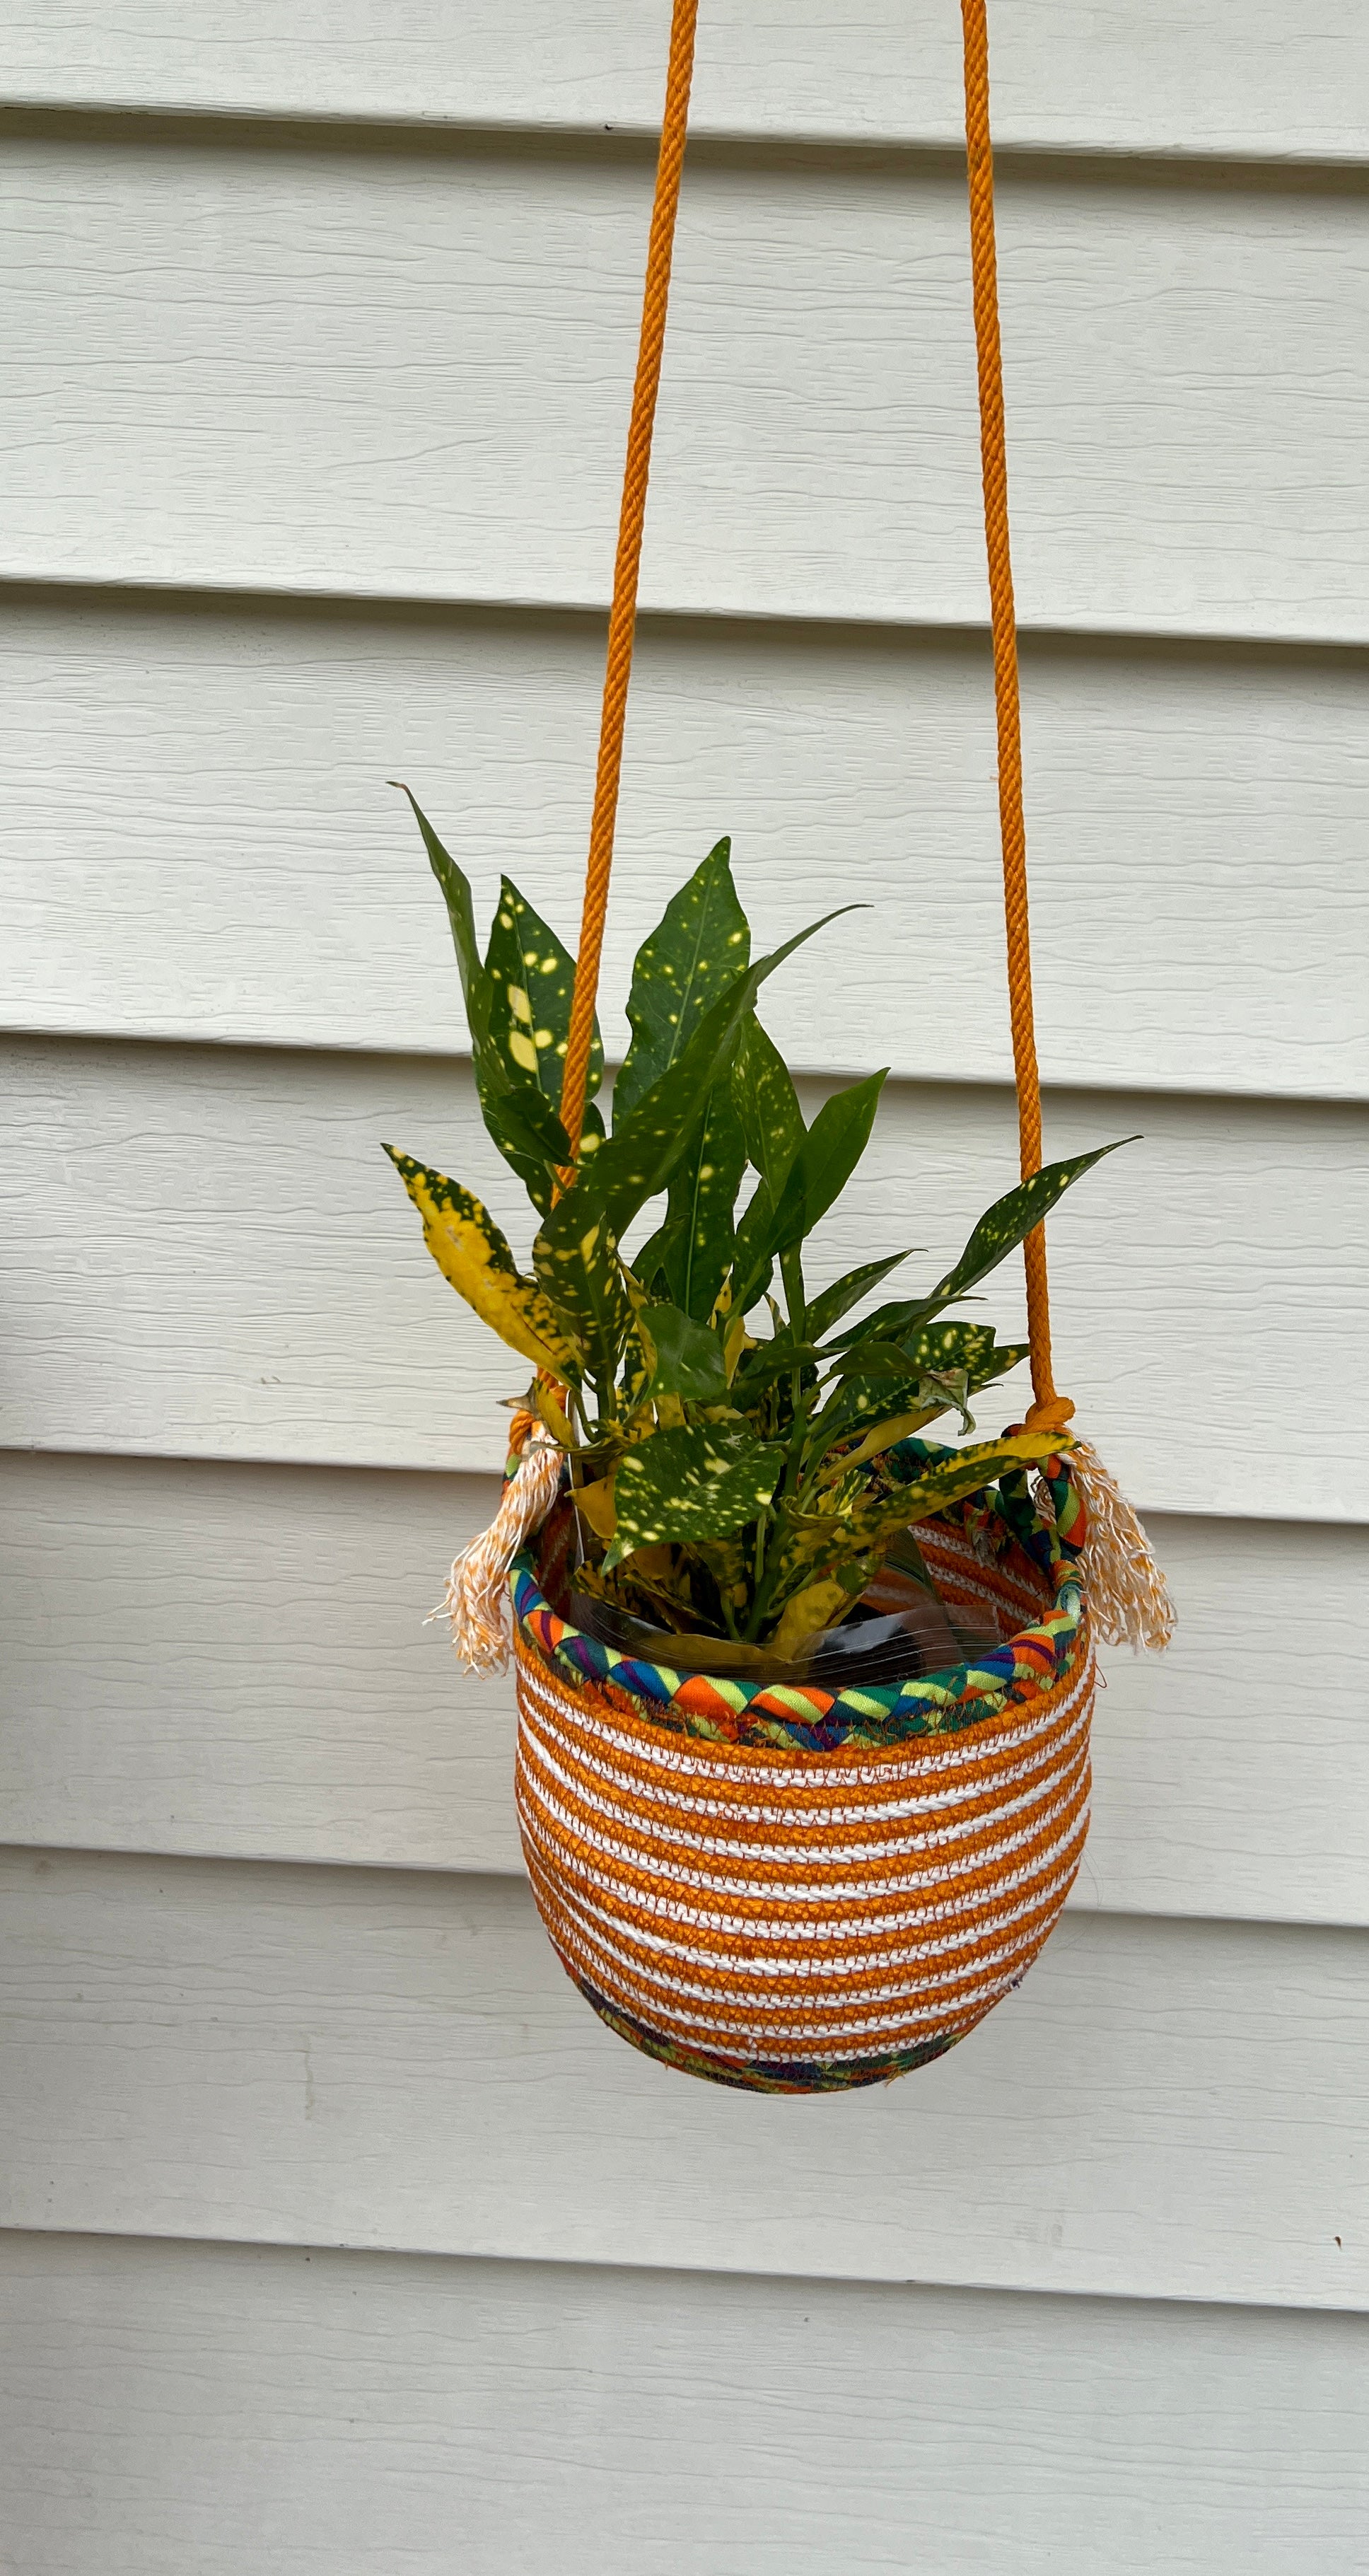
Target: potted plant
(874, 1646)
(740, 1451)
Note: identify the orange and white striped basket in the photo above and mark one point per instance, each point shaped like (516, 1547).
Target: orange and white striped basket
(796, 1890)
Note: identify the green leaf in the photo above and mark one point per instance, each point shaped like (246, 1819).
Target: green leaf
(528, 1137)
(638, 1158)
(1012, 1218)
(474, 1256)
(769, 1360)
(825, 1161)
(957, 1473)
(822, 1164)
(527, 1133)
(836, 1301)
(936, 1395)
(996, 1364)
(457, 893)
(703, 1194)
(884, 1379)
(578, 1267)
(658, 1257)
(685, 1358)
(701, 944)
(768, 1106)
(753, 1267)
(519, 1115)
(1006, 1224)
(688, 1486)
(531, 978)
(950, 1344)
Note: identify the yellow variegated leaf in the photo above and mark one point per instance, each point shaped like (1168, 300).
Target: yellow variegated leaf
(884, 1435)
(475, 1258)
(596, 1503)
(552, 1414)
(810, 1611)
(738, 1340)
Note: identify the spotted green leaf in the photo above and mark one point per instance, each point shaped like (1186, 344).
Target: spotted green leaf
(638, 1158)
(923, 1374)
(528, 1134)
(531, 978)
(655, 1263)
(577, 1264)
(521, 1120)
(949, 1344)
(824, 1162)
(1012, 1218)
(690, 1486)
(703, 1195)
(684, 1357)
(957, 1472)
(1006, 1224)
(753, 1265)
(457, 896)
(698, 948)
(826, 1310)
(768, 1106)
(474, 1257)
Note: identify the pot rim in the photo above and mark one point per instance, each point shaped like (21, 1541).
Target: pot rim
(1004, 1525)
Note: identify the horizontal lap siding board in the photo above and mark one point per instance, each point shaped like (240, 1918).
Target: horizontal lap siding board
(206, 1252)
(358, 2410)
(395, 2059)
(366, 372)
(234, 1661)
(230, 1660)
(1223, 76)
(1196, 823)
(271, 364)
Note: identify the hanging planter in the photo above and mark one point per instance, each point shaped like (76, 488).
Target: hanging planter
(804, 1698)
(793, 1889)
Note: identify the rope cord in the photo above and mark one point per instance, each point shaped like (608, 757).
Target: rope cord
(1007, 697)
(623, 613)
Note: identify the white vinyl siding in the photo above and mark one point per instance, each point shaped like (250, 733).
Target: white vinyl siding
(380, 2412)
(335, 2233)
(1200, 904)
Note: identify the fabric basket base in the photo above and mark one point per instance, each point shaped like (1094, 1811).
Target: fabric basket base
(760, 2075)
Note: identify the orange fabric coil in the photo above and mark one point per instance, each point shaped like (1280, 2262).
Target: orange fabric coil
(791, 1921)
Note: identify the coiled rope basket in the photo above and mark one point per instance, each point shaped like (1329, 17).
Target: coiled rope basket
(796, 1891)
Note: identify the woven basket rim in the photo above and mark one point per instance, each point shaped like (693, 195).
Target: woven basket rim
(724, 1707)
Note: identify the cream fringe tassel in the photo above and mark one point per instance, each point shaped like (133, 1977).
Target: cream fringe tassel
(476, 1598)
(1128, 1599)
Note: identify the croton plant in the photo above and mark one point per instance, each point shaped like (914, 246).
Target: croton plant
(735, 1441)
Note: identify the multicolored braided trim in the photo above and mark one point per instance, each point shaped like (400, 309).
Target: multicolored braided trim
(1002, 1523)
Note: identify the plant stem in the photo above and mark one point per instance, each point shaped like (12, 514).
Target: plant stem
(758, 1560)
(791, 1272)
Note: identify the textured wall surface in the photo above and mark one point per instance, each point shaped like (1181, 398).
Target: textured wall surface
(335, 2235)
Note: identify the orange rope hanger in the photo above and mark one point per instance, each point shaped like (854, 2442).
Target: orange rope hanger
(622, 618)
(1128, 1590)
(1049, 1410)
